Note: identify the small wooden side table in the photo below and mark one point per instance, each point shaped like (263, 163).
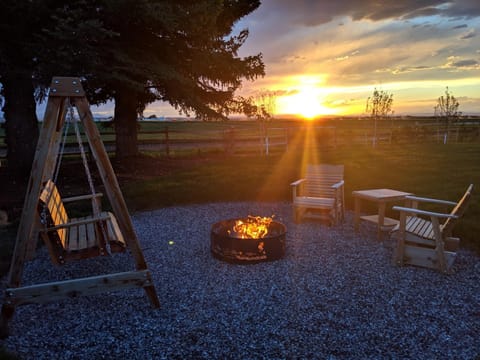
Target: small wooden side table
(381, 197)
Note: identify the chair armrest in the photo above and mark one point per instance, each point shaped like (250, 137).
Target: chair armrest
(76, 223)
(82, 197)
(298, 182)
(338, 185)
(434, 201)
(423, 212)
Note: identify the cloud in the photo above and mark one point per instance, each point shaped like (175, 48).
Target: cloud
(347, 56)
(467, 9)
(409, 69)
(465, 64)
(460, 26)
(455, 63)
(468, 35)
(313, 12)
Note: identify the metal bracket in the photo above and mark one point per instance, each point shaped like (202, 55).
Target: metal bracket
(66, 86)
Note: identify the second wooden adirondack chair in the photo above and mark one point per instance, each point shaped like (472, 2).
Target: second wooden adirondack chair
(424, 238)
(320, 194)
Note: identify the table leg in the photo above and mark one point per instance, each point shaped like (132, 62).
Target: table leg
(357, 213)
(381, 218)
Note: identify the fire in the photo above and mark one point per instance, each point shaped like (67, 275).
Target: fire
(254, 227)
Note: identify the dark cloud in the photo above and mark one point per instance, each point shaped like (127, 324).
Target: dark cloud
(463, 26)
(465, 63)
(462, 9)
(316, 12)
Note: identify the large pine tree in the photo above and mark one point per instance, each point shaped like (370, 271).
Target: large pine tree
(180, 52)
(134, 52)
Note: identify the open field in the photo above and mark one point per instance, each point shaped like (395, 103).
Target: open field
(178, 138)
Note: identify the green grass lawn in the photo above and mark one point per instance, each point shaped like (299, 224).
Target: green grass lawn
(429, 170)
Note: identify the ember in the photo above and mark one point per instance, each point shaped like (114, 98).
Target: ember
(248, 240)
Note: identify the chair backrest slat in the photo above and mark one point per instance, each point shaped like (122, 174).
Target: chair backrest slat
(320, 179)
(55, 210)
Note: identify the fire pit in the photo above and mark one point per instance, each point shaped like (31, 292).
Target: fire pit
(248, 240)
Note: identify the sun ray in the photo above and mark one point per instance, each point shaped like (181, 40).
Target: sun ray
(304, 139)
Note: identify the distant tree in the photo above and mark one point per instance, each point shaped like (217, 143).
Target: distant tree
(379, 106)
(262, 107)
(447, 112)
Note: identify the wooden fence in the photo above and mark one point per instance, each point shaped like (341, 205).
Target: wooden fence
(237, 139)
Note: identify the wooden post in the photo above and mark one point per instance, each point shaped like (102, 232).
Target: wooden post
(167, 144)
(42, 168)
(26, 235)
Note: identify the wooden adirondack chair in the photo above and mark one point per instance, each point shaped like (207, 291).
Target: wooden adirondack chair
(76, 238)
(424, 238)
(320, 194)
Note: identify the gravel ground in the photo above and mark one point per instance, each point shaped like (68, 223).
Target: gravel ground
(335, 295)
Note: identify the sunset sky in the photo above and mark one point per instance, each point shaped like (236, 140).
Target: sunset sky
(327, 57)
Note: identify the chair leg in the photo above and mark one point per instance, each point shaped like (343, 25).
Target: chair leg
(399, 250)
(442, 262)
(333, 217)
(295, 215)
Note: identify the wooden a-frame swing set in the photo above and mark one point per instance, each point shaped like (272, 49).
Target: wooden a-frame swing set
(71, 239)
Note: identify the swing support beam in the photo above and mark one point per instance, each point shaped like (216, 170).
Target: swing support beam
(62, 91)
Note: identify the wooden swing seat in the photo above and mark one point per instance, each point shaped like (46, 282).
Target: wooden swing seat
(76, 238)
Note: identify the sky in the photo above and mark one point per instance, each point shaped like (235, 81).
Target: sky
(327, 57)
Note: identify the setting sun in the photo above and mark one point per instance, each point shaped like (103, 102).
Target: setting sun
(305, 99)
(305, 103)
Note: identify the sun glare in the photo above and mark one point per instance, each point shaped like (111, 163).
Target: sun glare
(306, 101)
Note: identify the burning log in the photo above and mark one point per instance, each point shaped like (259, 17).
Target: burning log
(254, 227)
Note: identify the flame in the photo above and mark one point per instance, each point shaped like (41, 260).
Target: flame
(254, 227)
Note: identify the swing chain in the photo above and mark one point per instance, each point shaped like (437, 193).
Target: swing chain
(84, 158)
(96, 209)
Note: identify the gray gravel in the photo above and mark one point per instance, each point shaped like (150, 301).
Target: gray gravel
(335, 295)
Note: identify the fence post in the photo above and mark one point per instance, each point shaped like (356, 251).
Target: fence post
(167, 145)
(286, 138)
(266, 145)
(229, 140)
